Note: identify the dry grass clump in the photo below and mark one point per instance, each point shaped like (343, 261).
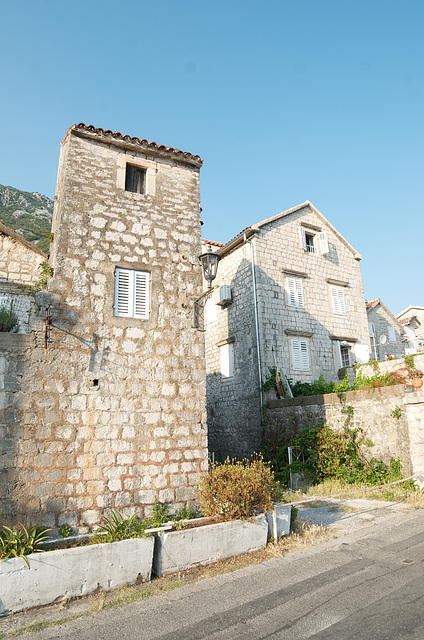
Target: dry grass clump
(404, 492)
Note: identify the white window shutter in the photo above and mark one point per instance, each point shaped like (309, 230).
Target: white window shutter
(123, 293)
(304, 355)
(342, 302)
(302, 234)
(300, 295)
(338, 301)
(141, 294)
(230, 360)
(295, 292)
(392, 334)
(132, 294)
(323, 242)
(227, 360)
(211, 314)
(300, 354)
(291, 292)
(371, 329)
(339, 355)
(296, 361)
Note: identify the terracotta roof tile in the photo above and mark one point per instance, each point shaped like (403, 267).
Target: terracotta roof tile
(407, 320)
(213, 243)
(134, 140)
(372, 303)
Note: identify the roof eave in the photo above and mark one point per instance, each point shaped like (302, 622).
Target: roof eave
(126, 141)
(239, 239)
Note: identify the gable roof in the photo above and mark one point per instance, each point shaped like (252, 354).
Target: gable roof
(408, 309)
(7, 231)
(372, 304)
(117, 137)
(255, 228)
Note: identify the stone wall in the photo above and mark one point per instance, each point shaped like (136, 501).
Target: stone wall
(112, 413)
(393, 437)
(233, 404)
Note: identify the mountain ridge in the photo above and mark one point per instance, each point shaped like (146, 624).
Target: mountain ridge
(28, 213)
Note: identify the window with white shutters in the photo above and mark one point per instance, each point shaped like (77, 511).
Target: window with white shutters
(300, 354)
(132, 294)
(338, 301)
(392, 334)
(312, 241)
(295, 292)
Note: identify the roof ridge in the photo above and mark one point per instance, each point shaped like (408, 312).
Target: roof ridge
(134, 140)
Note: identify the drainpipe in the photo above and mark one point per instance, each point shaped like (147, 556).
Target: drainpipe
(255, 306)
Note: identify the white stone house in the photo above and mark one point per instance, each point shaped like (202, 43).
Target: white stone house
(288, 294)
(19, 268)
(412, 319)
(387, 335)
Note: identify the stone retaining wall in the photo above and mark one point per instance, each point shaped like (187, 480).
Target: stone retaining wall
(393, 437)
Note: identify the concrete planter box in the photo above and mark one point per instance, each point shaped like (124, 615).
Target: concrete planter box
(179, 550)
(64, 573)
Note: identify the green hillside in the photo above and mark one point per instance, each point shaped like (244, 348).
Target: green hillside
(28, 213)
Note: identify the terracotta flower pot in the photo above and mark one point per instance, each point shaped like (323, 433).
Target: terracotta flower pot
(417, 383)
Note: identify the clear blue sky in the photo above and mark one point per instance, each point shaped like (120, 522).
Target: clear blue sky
(285, 101)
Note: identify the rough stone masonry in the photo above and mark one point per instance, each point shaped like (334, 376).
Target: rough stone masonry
(112, 413)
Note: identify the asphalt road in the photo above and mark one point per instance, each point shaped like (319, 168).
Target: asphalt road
(366, 583)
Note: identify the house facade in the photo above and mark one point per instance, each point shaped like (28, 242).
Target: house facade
(387, 335)
(105, 399)
(412, 319)
(19, 268)
(289, 295)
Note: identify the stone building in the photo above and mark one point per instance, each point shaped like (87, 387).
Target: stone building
(412, 318)
(112, 413)
(387, 335)
(19, 268)
(288, 295)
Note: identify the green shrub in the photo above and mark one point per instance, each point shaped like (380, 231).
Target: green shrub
(9, 321)
(327, 454)
(237, 489)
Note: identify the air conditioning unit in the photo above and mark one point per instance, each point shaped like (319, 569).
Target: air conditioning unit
(222, 295)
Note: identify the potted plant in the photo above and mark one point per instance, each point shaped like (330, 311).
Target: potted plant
(416, 377)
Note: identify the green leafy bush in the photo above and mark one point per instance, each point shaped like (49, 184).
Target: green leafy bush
(238, 489)
(326, 454)
(16, 543)
(9, 321)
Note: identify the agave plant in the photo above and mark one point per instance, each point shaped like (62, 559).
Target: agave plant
(18, 543)
(118, 527)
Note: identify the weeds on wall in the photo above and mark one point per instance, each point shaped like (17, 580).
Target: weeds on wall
(238, 489)
(119, 527)
(9, 321)
(321, 387)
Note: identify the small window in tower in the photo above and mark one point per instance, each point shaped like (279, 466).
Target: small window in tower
(135, 179)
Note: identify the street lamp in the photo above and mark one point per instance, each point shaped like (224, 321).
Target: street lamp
(209, 262)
